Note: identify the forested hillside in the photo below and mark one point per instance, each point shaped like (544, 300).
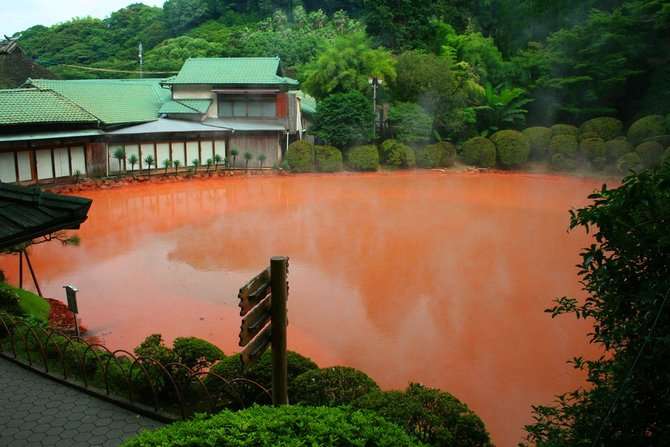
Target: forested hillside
(472, 66)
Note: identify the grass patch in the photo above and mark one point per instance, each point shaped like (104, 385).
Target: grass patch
(31, 304)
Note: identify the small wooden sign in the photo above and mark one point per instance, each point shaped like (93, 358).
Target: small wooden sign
(253, 351)
(254, 320)
(71, 294)
(254, 291)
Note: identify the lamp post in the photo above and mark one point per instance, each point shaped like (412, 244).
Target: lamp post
(375, 82)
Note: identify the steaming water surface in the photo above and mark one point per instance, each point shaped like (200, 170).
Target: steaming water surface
(435, 278)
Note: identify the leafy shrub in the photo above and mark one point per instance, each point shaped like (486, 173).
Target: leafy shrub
(512, 148)
(9, 301)
(154, 348)
(647, 127)
(606, 128)
(593, 148)
(344, 120)
(479, 151)
(564, 129)
(397, 155)
(300, 156)
(564, 144)
(650, 153)
(562, 162)
(616, 148)
(436, 155)
(328, 159)
(195, 352)
(410, 122)
(432, 416)
(588, 136)
(338, 385)
(628, 162)
(266, 426)
(539, 139)
(363, 158)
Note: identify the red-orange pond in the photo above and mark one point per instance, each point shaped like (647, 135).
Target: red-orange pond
(427, 277)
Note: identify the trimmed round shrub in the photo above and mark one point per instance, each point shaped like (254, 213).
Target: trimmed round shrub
(512, 148)
(564, 129)
(650, 153)
(195, 352)
(267, 426)
(566, 145)
(588, 136)
(442, 154)
(593, 148)
(647, 127)
(396, 154)
(432, 416)
(605, 127)
(154, 348)
(338, 385)
(616, 148)
(539, 139)
(300, 156)
(562, 162)
(628, 162)
(328, 159)
(363, 158)
(479, 151)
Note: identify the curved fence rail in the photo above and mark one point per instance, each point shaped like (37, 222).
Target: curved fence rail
(169, 391)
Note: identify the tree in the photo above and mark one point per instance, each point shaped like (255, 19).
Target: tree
(217, 161)
(234, 153)
(345, 65)
(410, 123)
(502, 108)
(261, 159)
(133, 161)
(149, 161)
(209, 164)
(248, 156)
(176, 164)
(402, 24)
(344, 120)
(120, 155)
(172, 53)
(196, 164)
(626, 276)
(184, 14)
(166, 164)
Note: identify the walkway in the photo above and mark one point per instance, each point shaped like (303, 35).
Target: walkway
(36, 411)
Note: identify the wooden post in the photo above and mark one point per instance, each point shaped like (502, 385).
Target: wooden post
(21, 269)
(278, 273)
(32, 273)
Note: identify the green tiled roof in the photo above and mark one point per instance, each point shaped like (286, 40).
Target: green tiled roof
(179, 106)
(232, 70)
(112, 101)
(25, 106)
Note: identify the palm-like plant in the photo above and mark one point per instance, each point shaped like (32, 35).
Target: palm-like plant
(149, 161)
(133, 161)
(217, 161)
(503, 107)
(176, 164)
(209, 163)
(261, 159)
(234, 153)
(166, 164)
(248, 156)
(195, 163)
(120, 155)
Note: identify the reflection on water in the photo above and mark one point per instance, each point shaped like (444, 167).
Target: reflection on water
(440, 279)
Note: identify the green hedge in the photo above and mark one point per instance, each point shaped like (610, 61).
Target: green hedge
(564, 129)
(539, 139)
(647, 127)
(650, 153)
(442, 154)
(628, 162)
(332, 386)
(300, 156)
(195, 352)
(280, 426)
(593, 148)
(616, 148)
(606, 128)
(512, 148)
(328, 159)
(562, 162)
(479, 151)
(566, 145)
(396, 154)
(363, 158)
(432, 416)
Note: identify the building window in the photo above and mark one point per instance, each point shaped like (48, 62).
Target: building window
(247, 106)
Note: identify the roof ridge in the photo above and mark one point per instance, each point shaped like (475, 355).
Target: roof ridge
(72, 102)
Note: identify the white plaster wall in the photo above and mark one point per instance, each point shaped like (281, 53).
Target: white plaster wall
(197, 92)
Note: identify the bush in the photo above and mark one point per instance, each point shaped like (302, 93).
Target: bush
(647, 127)
(344, 120)
(562, 162)
(566, 145)
(363, 158)
(9, 301)
(628, 162)
(300, 156)
(410, 123)
(432, 416)
(328, 159)
(195, 352)
(539, 139)
(479, 151)
(442, 154)
(606, 128)
(338, 385)
(650, 153)
(154, 348)
(512, 148)
(593, 148)
(564, 129)
(616, 148)
(266, 426)
(397, 155)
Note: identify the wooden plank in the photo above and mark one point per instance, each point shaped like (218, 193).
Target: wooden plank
(257, 347)
(254, 321)
(254, 291)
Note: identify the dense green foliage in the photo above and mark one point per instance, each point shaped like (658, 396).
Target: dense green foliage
(479, 151)
(363, 158)
(333, 386)
(344, 120)
(626, 276)
(564, 144)
(410, 123)
(512, 148)
(442, 154)
(432, 416)
(563, 162)
(395, 154)
(593, 148)
(328, 159)
(195, 352)
(300, 156)
(540, 141)
(280, 426)
(564, 129)
(647, 127)
(617, 148)
(650, 153)
(603, 127)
